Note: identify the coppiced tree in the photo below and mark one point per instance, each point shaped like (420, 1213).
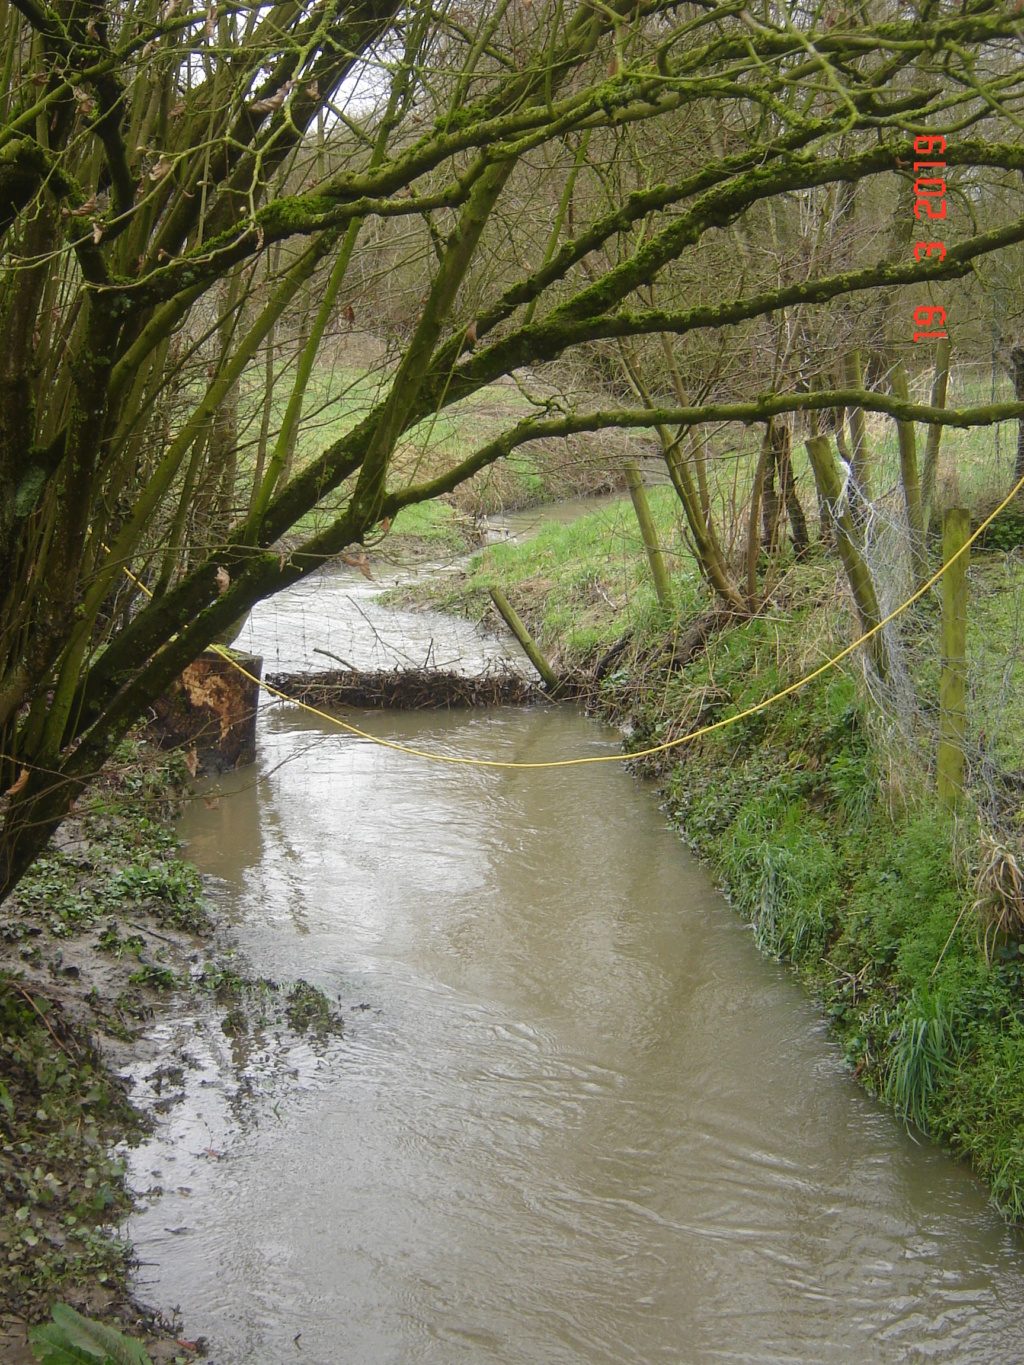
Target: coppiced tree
(176, 183)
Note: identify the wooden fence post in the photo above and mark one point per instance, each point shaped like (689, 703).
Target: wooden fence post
(650, 536)
(956, 530)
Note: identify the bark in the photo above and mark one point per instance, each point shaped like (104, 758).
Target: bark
(648, 531)
(857, 572)
(931, 450)
(1017, 360)
(910, 481)
(860, 451)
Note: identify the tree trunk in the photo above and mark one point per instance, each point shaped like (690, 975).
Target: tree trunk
(931, 450)
(908, 475)
(755, 512)
(648, 531)
(1017, 358)
(858, 574)
(860, 451)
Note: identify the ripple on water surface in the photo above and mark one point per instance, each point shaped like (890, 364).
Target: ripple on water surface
(580, 1122)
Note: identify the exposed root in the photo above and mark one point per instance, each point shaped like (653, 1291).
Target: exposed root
(999, 895)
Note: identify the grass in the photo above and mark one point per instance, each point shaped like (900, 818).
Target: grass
(575, 584)
(341, 395)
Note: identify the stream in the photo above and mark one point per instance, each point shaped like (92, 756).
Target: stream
(573, 1118)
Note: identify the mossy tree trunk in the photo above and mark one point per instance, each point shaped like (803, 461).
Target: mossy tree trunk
(1017, 360)
(649, 534)
(909, 478)
(940, 382)
(956, 531)
(857, 572)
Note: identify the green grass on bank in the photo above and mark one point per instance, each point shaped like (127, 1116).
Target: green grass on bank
(341, 394)
(576, 584)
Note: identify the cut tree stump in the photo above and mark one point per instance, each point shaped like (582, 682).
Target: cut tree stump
(211, 711)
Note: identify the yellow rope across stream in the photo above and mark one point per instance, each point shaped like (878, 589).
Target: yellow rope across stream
(774, 699)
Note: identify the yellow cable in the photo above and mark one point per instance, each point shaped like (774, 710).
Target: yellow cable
(640, 753)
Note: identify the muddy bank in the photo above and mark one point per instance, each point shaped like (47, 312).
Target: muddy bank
(110, 970)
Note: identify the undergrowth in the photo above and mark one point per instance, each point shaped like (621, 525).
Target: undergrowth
(60, 1110)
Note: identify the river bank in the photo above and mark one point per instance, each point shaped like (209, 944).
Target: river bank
(817, 816)
(107, 944)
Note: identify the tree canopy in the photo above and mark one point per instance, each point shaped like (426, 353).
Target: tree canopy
(720, 197)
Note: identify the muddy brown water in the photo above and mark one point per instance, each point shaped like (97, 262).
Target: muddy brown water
(574, 1118)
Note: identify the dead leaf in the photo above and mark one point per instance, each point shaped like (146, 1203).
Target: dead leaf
(211, 21)
(385, 525)
(162, 168)
(192, 762)
(272, 102)
(92, 30)
(97, 233)
(211, 802)
(85, 209)
(223, 580)
(360, 562)
(86, 103)
(20, 785)
(208, 1151)
(313, 90)
(281, 564)
(349, 315)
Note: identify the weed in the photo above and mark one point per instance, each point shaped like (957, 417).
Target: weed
(71, 1337)
(158, 978)
(308, 1008)
(58, 1110)
(923, 1049)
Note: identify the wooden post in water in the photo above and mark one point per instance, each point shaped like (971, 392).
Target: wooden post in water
(515, 625)
(956, 530)
(647, 529)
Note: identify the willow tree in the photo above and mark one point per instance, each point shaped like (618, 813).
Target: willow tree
(176, 178)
